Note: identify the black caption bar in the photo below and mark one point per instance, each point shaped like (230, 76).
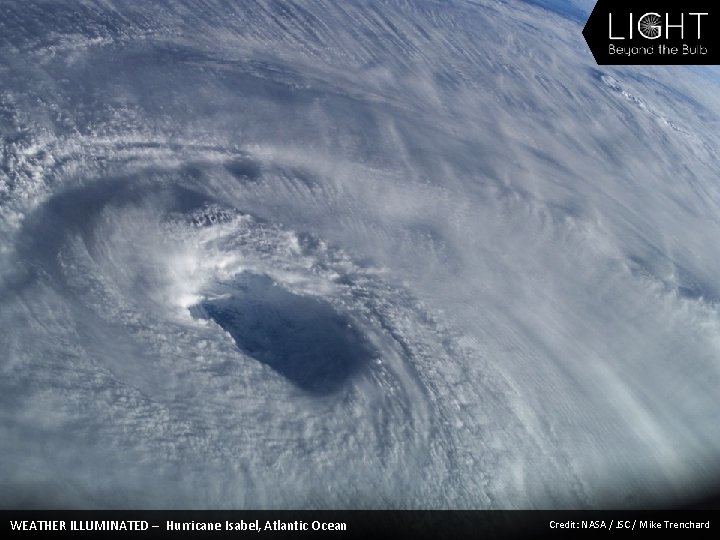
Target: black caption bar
(361, 524)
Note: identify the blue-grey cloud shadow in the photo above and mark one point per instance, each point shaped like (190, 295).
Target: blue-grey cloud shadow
(302, 338)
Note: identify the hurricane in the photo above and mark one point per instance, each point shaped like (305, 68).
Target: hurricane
(388, 254)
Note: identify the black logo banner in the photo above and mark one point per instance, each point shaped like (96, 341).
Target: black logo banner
(654, 32)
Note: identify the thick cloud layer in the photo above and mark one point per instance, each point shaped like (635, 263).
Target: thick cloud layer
(392, 254)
